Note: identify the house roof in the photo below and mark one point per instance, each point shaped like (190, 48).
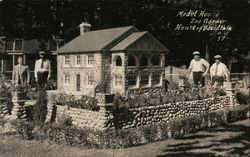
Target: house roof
(140, 41)
(128, 41)
(113, 39)
(96, 40)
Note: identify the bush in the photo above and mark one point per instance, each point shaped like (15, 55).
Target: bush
(40, 108)
(171, 96)
(85, 102)
(88, 138)
(65, 120)
(242, 98)
(24, 129)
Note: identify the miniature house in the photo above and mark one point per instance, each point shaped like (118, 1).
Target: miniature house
(130, 59)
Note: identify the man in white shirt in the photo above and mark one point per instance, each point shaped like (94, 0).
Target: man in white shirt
(42, 69)
(218, 72)
(199, 67)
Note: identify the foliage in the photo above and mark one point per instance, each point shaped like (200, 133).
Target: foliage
(242, 98)
(85, 102)
(173, 95)
(24, 129)
(5, 85)
(65, 120)
(40, 108)
(88, 138)
(28, 20)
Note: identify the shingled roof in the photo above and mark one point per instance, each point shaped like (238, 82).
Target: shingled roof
(113, 39)
(97, 40)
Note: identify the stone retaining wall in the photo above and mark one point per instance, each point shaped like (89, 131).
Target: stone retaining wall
(107, 118)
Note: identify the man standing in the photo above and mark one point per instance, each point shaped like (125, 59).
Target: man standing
(21, 73)
(42, 69)
(218, 72)
(199, 67)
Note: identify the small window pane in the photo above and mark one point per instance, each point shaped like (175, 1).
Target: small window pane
(67, 60)
(18, 45)
(132, 80)
(67, 78)
(78, 60)
(156, 78)
(144, 79)
(90, 80)
(9, 44)
(91, 59)
(118, 80)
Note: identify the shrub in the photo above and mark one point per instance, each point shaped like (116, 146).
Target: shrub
(85, 102)
(40, 108)
(174, 95)
(242, 98)
(23, 128)
(65, 120)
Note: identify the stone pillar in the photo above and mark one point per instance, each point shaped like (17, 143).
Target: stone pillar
(229, 91)
(18, 111)
(105, 102)
(4, 106)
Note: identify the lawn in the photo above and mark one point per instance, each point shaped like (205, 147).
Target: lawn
(229, 140)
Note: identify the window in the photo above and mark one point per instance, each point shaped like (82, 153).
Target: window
(90, 80)
(18, 45)
(156, 78)
(156, 60)
(67, 60)
(78, 60)
(132, 80)
(118, 61)
(91, 59)
(131, 60)
(67, 78)
(144, 60)
(118, 80)
(144, 79)
(9, 44)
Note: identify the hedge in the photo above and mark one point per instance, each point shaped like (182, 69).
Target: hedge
(87, 138)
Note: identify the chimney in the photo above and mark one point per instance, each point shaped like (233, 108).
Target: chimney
(84, 27)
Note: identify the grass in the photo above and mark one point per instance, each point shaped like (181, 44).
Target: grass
(229, 140)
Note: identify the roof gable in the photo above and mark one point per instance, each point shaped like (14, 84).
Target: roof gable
(140, 41)
(97, 40)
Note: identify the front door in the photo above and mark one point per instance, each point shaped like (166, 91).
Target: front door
(78, 82)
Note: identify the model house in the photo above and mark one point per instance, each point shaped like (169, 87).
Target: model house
(129, 58)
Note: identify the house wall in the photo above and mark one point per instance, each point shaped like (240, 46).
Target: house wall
(118, 71)
(84, 70)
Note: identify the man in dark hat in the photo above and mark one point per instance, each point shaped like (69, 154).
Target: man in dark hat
(218, 72)
(42, 69)
(199, 68)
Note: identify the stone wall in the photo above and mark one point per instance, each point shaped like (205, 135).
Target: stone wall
(107, 118)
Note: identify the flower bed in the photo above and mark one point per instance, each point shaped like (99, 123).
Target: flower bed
(69, 100)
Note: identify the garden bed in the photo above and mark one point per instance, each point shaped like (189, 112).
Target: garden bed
(89, 138)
